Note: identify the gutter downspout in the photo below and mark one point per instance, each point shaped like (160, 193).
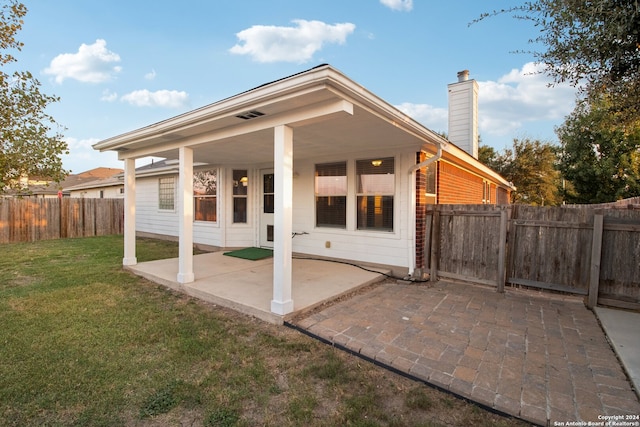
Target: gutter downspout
(412, 212)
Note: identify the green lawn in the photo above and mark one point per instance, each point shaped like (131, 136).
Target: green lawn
(83, 342)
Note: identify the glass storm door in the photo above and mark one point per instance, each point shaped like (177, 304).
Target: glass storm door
(266, 208)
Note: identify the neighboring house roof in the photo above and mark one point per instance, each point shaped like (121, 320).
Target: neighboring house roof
(85, 177)
(330, 114)
(52, 188)
(90, 175)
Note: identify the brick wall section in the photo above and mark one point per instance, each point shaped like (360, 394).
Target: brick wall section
(457, 186)
(502, 196)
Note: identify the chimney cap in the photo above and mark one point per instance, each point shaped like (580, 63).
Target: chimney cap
(463, 75)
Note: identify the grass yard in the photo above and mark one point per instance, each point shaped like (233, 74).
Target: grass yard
(84, 343)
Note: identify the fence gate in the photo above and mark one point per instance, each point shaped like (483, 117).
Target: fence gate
(578, 250)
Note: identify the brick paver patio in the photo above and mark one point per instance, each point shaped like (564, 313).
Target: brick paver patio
(537, 356)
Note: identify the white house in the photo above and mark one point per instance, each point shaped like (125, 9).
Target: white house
(106, 188)
(313, 156)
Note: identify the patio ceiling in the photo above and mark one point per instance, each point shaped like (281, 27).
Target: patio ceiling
(341, 134)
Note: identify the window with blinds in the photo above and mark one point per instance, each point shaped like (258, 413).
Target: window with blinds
(331, 195)
(240, 184)
(375, 194)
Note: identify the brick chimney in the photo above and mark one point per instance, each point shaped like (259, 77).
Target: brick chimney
(463, 113)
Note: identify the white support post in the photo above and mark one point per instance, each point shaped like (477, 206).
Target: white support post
(282, 302)
(185, 212)
(129, 212)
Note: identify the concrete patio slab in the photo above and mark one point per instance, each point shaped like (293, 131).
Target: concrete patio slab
(623, 329)
(537, 356)
(247, 286)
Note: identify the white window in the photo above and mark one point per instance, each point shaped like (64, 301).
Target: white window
(331, 195)
(205, 195)
(240, 183)
(375, 194)
(431, 189)
(486, 192)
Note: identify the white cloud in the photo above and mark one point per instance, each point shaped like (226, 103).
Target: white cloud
(160, 98)
(108, 96)
(516, 102)
(75, 144)
(402, 5)
(83, 157)
(520, 97)
(290, 44)
(151, 75)
(91, 64)
(432, 117)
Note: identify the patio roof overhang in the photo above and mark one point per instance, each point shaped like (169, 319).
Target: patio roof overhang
(328, 112)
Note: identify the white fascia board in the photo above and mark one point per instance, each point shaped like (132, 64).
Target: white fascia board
(369, 101)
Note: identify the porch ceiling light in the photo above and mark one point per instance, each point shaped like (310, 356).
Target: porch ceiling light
(250, 115)
(376, 162)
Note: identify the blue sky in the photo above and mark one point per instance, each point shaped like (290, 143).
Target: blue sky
(119, 65)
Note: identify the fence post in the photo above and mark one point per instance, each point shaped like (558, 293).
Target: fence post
(596, 253)
(502, 248)
(435, 244)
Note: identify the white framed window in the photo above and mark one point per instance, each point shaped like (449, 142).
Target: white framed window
(205, 195)
(431, 188)
(375, 193)
(486, 192)
(240, 183)
(331, 195)
(166, 193)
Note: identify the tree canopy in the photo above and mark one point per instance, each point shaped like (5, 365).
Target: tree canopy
(531, 166)
(30, 141)
(599, 155)
(591, 43)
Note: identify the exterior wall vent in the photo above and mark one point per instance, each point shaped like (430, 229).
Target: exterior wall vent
(250, 115)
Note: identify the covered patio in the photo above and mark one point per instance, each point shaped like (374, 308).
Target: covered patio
(246, 286)
(317, 114)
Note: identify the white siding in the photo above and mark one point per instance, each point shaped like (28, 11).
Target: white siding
(149, 218)
(392, 248)
(463, 115)
(367, 246)
(94, 193)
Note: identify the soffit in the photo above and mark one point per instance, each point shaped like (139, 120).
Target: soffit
(343, 134)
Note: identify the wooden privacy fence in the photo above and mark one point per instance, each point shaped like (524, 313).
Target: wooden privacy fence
(28, 220)
(579, 250)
